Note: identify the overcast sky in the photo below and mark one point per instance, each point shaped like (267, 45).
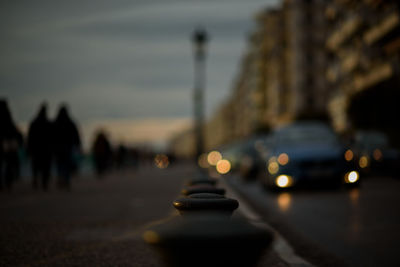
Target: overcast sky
(118, 61)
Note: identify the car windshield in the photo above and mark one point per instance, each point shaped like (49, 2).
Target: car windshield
(298, 134)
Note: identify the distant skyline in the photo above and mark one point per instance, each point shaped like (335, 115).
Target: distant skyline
(119, 61)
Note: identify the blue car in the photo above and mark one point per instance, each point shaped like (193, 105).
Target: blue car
(306, 153)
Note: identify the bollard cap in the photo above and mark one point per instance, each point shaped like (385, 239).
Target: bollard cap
(202, 188)
(219, 240)
(205, 202)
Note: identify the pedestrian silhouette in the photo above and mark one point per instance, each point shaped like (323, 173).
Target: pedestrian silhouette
(40, 147)
(121, 156)
(10, 142)
(67, 145)
(102, 154)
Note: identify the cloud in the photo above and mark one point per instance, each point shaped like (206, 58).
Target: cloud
(117, 59)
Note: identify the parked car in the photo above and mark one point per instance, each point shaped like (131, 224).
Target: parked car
(245, 155)
(231, 152)
(250, 156)
(306, 153)
(373, 153)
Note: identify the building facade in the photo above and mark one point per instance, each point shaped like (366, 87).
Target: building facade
(363, 46)
(336, 60)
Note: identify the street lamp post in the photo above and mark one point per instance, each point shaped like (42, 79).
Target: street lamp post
(200, 39)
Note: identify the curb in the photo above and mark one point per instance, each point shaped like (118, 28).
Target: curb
(281, 246)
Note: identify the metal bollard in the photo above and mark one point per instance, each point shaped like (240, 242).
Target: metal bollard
(202, 188)
(205, 202)
(208, 239)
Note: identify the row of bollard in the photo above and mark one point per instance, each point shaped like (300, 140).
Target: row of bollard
(206, 233)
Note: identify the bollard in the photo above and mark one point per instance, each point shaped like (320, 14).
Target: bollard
(208, 239)
(205, 202)
(202, 188)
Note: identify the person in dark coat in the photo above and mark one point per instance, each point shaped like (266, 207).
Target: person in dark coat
(67, 144)
(102, 153)
(121, 156)
(10, 141)
(40, 147)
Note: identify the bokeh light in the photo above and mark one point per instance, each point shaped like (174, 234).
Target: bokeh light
(348, 155)
(202, 161)
(351, 177)
(283, 159)
(284, 200)
(223, 166)
(273, 167)
(363, 162)
(213, 157)
(283, 181)
(161, 161)
(151, 237)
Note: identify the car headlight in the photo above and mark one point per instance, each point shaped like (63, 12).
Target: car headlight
(284, 181)
(351, 177)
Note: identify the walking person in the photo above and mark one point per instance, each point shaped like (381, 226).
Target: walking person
(67, 144)
(11, 141)
(102, 153)
(40, 148)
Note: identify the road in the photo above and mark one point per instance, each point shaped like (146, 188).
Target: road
(356, 227)
(98, 223)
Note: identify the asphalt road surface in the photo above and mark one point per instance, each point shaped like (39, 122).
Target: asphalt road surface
(356, 227)
(98, 223)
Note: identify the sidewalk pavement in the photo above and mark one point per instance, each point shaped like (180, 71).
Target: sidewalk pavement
(98, 223)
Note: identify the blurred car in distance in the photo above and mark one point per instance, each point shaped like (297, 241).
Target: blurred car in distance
(231, 153)
(245, 155)
(373, 154)
(250, 157)
(306, 153)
